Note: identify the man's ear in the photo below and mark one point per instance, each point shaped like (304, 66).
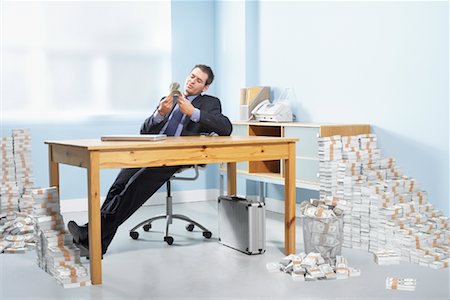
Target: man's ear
(205, 88)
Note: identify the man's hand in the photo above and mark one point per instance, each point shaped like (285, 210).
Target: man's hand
(165, 106)
(185, 105)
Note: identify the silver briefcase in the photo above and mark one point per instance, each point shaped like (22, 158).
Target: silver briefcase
(242, 224)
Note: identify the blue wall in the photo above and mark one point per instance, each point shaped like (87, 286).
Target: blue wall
(382, 63)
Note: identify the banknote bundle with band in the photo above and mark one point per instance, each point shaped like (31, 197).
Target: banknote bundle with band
(385, 212)
(56, 252)
(312, 266)
(401, 284)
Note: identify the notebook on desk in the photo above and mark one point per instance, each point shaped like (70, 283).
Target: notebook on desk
(134, 137)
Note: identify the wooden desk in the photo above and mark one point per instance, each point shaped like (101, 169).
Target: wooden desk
(95, 155)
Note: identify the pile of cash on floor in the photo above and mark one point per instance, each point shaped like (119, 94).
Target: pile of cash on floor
(16, 206)
(312, 266)
(385, 212)
(56, 253)
(30, 218)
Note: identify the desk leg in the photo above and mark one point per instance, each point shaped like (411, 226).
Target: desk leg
(289, 202)
(231, 178)
(95, 245)
(53, 169)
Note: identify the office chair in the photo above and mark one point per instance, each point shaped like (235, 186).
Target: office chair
(169, 215)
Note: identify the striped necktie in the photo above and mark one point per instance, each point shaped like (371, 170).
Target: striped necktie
(174, 122)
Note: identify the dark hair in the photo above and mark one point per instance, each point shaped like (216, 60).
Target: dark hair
(208, 71)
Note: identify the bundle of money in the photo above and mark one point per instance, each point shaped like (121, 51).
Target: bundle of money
(386, 257)
(17, 233)
(56, 253)
(402, 284)
(311, 267)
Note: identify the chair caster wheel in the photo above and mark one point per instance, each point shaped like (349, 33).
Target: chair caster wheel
(207, 234)
(190, 227)
(147, 227)
(168, 240)
(134, 235)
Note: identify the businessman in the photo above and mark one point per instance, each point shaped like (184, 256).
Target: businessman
(191, 113)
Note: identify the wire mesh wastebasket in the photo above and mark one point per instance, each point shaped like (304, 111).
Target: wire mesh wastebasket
(324, 236)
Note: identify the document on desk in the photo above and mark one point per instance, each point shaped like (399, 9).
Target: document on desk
(134, 137)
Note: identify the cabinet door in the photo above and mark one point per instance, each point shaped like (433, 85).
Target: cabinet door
(241, 130)
(307, 169)
(307, 146)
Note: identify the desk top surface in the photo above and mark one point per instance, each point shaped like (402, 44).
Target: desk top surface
(173, 142)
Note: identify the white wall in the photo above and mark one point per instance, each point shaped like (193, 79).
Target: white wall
(382, 63)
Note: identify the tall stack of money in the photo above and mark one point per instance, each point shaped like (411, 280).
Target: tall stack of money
(385, 210)
(349, 185)
(9, 190)
(330, 154)
(23, 165)
(56, 253)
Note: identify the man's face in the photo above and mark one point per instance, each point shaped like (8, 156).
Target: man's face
(196, 82)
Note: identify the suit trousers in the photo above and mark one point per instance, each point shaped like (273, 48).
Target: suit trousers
(131, 189)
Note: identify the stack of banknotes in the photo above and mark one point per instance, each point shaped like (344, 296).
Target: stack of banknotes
(9, 191)
(402, 284)
(23, 162)
(312, 266)
(384, 209)
(56, 253)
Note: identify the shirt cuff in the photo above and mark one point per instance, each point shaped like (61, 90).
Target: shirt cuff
(157, 117)
(195, 117)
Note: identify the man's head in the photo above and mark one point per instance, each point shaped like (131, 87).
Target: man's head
(198, 80)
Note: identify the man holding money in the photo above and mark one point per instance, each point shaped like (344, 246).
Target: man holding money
(191, 113)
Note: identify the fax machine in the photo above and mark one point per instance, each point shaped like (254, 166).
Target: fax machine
(272, 112)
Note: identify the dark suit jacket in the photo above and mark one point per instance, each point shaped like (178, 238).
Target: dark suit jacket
(211, 119)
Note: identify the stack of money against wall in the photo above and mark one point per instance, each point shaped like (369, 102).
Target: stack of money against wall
(383, 208)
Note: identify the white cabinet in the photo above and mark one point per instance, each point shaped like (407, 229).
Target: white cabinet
(307, 162)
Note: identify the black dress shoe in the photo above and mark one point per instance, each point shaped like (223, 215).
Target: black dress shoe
(81, 239)
(80, 234)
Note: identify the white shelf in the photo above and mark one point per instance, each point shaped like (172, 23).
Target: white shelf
(275, 179)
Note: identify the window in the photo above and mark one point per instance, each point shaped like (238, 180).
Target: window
(64, 59)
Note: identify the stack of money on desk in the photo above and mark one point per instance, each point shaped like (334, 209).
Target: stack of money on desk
(56, 253)
(312, 266)
(386, 210)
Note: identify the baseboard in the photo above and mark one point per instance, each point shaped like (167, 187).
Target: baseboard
(273, 205)
(78, 205)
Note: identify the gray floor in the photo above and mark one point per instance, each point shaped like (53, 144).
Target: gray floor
(196, 268)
